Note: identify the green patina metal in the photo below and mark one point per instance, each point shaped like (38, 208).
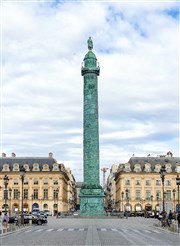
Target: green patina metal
(91, 195)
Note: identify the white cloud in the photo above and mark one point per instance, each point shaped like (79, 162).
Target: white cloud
(43, 47)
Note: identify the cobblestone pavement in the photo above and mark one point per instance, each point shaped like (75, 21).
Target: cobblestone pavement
(80, 231)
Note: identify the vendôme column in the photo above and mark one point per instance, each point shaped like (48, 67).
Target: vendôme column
(91, 195)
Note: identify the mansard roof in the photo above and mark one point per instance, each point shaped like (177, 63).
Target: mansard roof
(27, 160)
(174, 161)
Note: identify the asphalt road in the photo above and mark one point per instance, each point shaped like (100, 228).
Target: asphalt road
(78, 231)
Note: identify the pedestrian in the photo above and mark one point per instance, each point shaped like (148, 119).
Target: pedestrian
(5, 220)
(170, 217)
(1, 223)
(178, 219)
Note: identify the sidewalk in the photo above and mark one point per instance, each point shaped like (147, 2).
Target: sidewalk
(13, 228)
(173, 227)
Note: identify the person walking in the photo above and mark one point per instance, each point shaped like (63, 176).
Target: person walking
(5, 220)
(170, 217)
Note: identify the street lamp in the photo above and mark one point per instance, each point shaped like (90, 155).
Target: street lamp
(122, 195)
(162, 174)
(174, 193)
(6, 182)
(178, 183)
(22, 175)
(10, 192)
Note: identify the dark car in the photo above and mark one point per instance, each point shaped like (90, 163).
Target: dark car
(36, 219)
(13, 219)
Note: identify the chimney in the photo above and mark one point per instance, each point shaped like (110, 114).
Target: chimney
(3, 155)
(50, 155)
(13, 155)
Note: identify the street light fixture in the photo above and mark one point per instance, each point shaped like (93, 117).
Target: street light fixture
(174, 193)
(6, 182)
(178, 183)
(10, 192)
(122, 195)
(162, 174)
(22, 175)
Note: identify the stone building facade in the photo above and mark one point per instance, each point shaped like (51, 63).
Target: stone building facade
(47, 184)
(139, 185)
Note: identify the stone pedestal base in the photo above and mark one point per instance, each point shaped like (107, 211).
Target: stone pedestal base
(92, 201)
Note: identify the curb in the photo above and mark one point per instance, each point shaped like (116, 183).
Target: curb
(17, 230)
(163, 229)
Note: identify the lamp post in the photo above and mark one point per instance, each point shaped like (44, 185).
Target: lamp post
(152, 201)
(174, 193)
(6, 182)
(22, 175)
(10, 192)
(122, 195)
(162, 174)
(178, 183)
(18, 201)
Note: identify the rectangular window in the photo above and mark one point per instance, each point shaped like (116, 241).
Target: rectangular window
(158, 182)
(137, 182)
(148, 182)
(16, 181)
(25, 181)
(25, 193)
(127, 182)
(168, 195)
(138, 194)
(45, 193)
(158, 195)
(35, 193)
(45, 181)
(6, 194)
(35, 181)
(55, 181)
(127, 193)
(55, 194)
(16, 194)
(168, 182)
(148, 194)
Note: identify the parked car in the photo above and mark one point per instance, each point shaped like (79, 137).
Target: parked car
(13, 219)
(36, 219)
(47, 212)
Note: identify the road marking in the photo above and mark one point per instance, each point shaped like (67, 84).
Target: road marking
(27, 231)
(155, 231)
(70, 229)
(146, 231)
(50, 230)
(81, 229)
(114, 229)
(39, 230)
(125, 230)
(61, 229)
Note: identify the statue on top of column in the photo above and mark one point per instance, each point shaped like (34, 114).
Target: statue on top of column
(90, 43)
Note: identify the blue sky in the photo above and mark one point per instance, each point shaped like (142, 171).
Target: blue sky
(43, 45)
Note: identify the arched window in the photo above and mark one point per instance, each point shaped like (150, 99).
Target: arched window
(45, 167)
(35, 167)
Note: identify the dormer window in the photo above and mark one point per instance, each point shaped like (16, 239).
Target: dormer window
(45, 167)
(16, 167)
(55, 167)
(177, 169)
(26, 166)
(6, 167)
(148, 168)
(127, 167)
(168, 168)
(137, 168)
(35, 167)
(157, 168)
